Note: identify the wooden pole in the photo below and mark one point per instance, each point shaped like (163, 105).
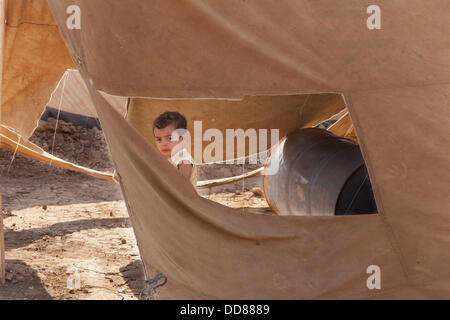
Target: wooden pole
(2, 42)
(2, 247)
(218, 182)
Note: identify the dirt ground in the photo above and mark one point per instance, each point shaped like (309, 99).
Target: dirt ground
(60, 223)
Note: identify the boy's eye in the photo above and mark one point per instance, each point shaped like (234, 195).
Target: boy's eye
(170, 138)
(158, 139)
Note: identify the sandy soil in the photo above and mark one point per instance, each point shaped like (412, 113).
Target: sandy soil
(56, 219)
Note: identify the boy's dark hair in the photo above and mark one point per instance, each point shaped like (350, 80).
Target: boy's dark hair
(170, 118)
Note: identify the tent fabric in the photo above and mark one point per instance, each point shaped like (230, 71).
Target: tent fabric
(343, 127)
(396, 85)
(209, 251)
(71, 95)
(257, 46)
(286, 113)
(34, 59)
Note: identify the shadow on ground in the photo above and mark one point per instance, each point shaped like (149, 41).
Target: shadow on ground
(29, 183)
(23, 238)
(23, 283)
(133, 273)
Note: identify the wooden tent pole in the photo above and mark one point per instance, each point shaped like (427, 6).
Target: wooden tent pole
(2, 247)
(2, 42)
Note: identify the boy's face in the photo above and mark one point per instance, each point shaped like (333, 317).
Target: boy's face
(166, 139)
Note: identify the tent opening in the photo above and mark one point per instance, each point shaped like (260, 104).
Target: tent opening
(328, 178)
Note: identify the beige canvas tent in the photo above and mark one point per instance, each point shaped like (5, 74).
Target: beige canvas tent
(72, 96)
(395, 82)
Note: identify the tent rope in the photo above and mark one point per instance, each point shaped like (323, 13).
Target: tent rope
(115, 176)
(66, 74)
(243, 181)
(154, 283)
(14, 154)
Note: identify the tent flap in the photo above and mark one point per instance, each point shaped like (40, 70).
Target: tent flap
(34, 59)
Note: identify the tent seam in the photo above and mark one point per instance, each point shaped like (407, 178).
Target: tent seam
(32, 23)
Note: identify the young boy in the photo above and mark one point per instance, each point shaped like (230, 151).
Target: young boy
(167, 129)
